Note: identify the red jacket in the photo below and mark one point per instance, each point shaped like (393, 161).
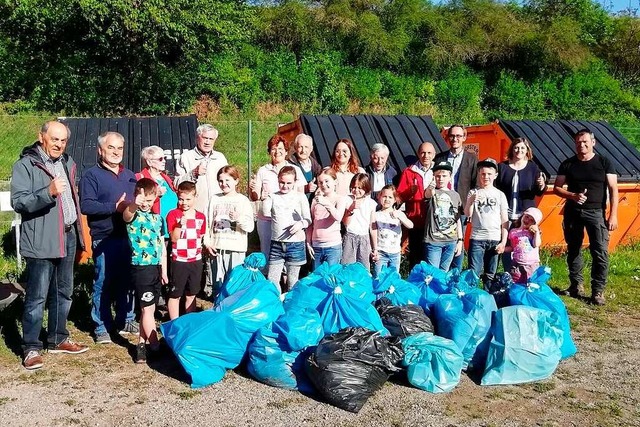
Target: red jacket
(144, 173)
(414, 203)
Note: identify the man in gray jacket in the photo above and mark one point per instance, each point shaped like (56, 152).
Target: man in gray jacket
(43, 192)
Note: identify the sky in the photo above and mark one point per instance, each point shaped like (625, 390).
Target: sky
(618, 5)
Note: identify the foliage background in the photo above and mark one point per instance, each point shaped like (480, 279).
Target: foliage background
(461, 61)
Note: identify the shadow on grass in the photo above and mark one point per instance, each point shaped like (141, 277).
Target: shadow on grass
(80, 313)
(9, 326)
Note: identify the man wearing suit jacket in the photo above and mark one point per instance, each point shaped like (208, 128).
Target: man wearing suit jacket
(465, 168)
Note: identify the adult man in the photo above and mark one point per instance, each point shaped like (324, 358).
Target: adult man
(413, 181)
(463, 177)
(302, 158)
(43, 192)
(105, 191)
(201, 165)
(380, 174)
(588, 177)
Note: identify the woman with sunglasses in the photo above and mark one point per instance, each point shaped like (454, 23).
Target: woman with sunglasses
(154, 162)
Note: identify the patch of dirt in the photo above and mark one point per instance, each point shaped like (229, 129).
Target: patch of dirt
(599, 386)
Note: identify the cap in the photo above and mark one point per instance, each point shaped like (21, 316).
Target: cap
(534, 213)
(488, 163)
(443, 166)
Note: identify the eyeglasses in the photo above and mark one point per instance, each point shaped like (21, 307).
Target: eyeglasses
(161, 159)
(456, 136)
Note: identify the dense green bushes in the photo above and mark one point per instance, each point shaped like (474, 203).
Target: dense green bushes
(462, 61)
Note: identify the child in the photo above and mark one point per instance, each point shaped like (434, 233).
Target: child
(230, 217)
(148, 261)
(186, 228)
(327, 210)
(524, 246)
(487, 207)
(356, 245)
(386, 231)
(288, 210)
(442, 230)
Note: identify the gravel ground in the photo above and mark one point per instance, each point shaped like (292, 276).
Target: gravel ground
(599, 386)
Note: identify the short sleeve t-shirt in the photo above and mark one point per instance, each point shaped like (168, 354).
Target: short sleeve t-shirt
(389, 232)
(590, 175)
(361, 219)
(486, 222)
(146, 232)
(188, 247)
(443, 212)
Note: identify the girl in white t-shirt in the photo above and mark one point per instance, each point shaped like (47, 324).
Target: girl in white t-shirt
(356, 244)
(386, 231)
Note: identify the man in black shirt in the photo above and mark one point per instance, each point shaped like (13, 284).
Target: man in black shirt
(588, 176)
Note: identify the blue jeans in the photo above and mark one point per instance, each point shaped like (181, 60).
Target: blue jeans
(440, 254)
(386, 259)
(457, 260)
(49, 281)
(483, 257)
(331, 255)
(112, 283)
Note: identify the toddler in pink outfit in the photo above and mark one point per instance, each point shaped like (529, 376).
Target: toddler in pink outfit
(525, 246)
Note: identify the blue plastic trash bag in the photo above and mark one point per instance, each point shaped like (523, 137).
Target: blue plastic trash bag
(525, 346)
(299, 328)
(462, 280)
(433, 363)
(430, 275)
(499, 287)
(341, 310)
(272, 363)
(465, 318)
(390, 285)
(253, 307)
(311, 291)
(243, 275)
(540, 295)
(206, 344)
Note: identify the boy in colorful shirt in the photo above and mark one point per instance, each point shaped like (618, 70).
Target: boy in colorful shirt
(148, 260)
(186, 226)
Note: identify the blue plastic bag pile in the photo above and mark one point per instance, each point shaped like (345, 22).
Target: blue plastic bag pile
(340, 334)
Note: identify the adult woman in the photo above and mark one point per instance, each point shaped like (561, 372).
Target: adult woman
(519, 178)
(153, 168)
(345, 163)
(265, 182)
(521, 181)
(301, 156)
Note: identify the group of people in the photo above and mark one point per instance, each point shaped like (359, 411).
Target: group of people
(148, 229)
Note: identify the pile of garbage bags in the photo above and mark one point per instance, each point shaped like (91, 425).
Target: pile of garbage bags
(340, 334)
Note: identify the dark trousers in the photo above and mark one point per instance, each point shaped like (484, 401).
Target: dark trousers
(416, 246)
(50, 282)
(574, 223)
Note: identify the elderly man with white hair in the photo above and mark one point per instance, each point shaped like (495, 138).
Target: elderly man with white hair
(201, 165)
(301, 156)
(379, 171)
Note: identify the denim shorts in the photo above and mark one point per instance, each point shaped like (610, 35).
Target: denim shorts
(293, 253)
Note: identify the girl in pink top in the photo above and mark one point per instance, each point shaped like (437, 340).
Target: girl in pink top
(327, 210)
(525, 244)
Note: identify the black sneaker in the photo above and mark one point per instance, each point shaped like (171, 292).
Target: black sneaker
(141, 353)
(598, 299)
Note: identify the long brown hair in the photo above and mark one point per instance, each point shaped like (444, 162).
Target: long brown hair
(353, 164)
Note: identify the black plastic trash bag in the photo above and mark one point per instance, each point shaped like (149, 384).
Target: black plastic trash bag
(403, 321)
(349, 366)
(499, 288)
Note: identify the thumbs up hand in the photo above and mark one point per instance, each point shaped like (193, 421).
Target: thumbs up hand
(582, 197)
(121, 205)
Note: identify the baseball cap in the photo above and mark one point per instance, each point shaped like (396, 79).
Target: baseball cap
(488, 163)
(443, 166)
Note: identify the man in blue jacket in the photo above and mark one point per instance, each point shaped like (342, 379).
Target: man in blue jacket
(43, 192)
(379, 171)
(105, 191)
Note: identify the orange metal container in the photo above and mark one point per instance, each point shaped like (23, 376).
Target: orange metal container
(491, 141)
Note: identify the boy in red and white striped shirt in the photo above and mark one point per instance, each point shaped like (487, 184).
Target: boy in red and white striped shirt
(186, 226)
